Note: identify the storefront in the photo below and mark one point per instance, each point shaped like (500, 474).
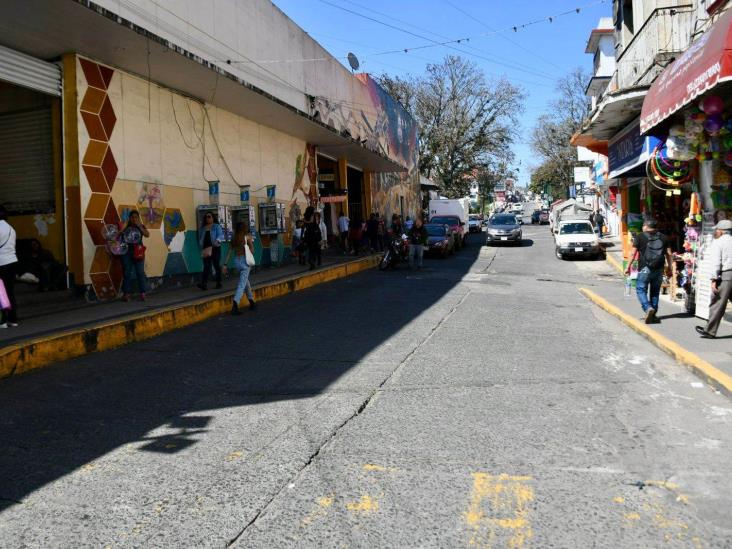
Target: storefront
(689, 109)
(30, 150)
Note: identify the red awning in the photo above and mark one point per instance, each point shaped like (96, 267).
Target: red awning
(706, 63)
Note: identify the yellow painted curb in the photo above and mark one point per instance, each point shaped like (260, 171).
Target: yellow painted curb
(715, 377)
(618, 267)
(35, 353)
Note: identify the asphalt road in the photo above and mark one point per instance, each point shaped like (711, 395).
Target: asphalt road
(480, 402)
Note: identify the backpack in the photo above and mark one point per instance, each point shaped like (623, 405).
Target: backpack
(653, 254)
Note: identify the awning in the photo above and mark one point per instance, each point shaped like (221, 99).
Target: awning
(628, 151)
(704, 65)
(46, 30)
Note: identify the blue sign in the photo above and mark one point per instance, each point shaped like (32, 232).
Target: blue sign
(629, 149)
(213, 188)
(271, 189)
(244, 194)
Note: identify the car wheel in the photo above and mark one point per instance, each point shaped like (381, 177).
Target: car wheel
(560, 255)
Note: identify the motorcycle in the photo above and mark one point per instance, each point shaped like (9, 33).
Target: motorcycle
(396, 251)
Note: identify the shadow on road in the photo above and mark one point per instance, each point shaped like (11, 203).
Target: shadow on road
(56, 420)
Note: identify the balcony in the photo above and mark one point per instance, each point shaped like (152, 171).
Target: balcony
(665, 34)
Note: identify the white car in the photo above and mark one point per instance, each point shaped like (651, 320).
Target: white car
(474, 223)
(576, 237)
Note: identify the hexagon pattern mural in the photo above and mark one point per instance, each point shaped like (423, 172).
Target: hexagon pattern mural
(100, 168)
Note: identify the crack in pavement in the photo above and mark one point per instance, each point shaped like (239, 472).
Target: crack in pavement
(311, 459)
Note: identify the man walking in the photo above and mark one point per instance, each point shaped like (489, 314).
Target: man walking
(651, 249)
(599, 221)
(343, 225)
(721, 256)
(417, 241)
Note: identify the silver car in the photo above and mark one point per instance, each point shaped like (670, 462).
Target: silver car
(503, 228)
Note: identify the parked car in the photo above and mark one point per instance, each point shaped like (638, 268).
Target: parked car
(474, 225)
(457, 227)
(535, 217)
(440, 240)
(576, 237)
(544, 217)
(503, 228)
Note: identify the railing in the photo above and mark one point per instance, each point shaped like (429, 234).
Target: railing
(665, 34)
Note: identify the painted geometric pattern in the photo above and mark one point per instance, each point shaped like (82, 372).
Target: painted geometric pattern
(100, 167)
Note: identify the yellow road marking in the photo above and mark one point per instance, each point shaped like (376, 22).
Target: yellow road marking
(234, 455)
(618, 499)
(366, 504)
(324, 502)
(498, 509)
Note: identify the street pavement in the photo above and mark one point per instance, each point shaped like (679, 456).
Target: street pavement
(479, 402)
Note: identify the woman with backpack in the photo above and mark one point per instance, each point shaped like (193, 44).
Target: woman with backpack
(242, 246)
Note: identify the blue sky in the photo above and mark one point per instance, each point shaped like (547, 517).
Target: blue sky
(535, 55)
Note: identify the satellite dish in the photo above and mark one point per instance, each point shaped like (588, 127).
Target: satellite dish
(353, 61)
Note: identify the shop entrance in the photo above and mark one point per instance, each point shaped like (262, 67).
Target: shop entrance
(356, 210)
(30, 167)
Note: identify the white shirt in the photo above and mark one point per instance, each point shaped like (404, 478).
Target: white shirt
(323, 230)
(343, 224)
(720, 254)
(7, 244)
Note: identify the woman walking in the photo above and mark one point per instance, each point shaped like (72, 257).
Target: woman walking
(243, 248)
(134, 260)
(312, 238)
(8, 267)
(210, 237)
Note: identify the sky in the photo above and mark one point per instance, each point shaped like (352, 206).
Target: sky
(533, 57)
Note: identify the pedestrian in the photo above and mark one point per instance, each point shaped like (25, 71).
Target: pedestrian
(343, 226)
(8, 269)
(298, 243)
(720, 254)
(210, 237)
(372, 231)
(651, 249)
(134, 260)
(417, 241)
(397, 228)
(599, 221)
(242, 246)
(355, 235)
(312, 237)
(408, 224)
(380, 232)
(323, 232)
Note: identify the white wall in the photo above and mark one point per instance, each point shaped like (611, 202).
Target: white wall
(243, 31)
(606, 46)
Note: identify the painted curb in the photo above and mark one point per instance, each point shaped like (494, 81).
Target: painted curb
(713, 376)
(617, 266)
(36, 353)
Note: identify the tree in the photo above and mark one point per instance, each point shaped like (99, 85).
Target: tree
(553, 131)
(464, 122)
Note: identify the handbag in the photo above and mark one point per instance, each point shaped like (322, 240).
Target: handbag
(138, 252)
(4, 299)
(207, 252)
(249, 255)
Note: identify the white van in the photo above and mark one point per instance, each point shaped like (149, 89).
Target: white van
(576, 237)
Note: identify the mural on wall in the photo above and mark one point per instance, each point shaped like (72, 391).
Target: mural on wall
(150, 205)
(100, 168)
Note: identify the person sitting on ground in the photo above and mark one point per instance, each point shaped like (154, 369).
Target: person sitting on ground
(34, 259)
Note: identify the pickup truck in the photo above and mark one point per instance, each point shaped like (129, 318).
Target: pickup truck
(576, 237)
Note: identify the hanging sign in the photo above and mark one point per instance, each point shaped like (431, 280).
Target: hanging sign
(271, 190)
(244, 194)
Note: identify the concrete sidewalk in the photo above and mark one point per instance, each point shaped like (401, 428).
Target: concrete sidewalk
(675, 334)
(91, 327)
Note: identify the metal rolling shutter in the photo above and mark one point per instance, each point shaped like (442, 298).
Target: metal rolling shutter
(26, 161)
(29, 72)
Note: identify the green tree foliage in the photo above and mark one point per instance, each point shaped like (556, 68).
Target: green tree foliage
(465, 122)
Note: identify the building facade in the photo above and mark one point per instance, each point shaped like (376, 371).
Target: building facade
(172, 108)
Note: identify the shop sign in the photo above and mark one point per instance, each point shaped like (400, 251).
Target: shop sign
(629, 149)
(333, 199)
(326, 177)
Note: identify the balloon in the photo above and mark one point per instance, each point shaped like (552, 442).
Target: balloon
(713, 124)
(677, 130)
(109, 232)
(712, 104)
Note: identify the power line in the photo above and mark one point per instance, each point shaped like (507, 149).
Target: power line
(447, 44)
(508, 39)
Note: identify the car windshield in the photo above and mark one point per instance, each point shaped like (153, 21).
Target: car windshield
(503, 220)
(444, 220)
(474, 218)
(575, 228)
(436, 230)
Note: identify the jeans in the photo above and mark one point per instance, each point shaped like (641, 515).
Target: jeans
(241, 264)
(416, 251)
(7, 274)
(136, 269)
(648, 278)
(215, 261)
